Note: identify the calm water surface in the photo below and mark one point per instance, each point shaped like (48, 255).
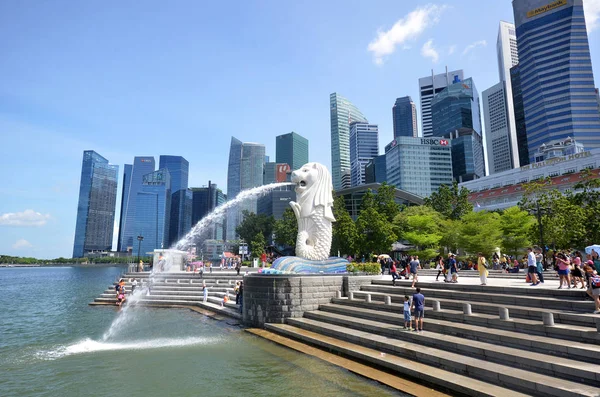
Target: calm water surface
(51, 344)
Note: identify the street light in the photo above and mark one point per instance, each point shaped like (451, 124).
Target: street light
(140, 239)
(539, 212)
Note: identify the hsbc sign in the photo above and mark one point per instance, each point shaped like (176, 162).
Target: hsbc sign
(435, 142)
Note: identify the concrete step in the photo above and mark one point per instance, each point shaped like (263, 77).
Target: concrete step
(175, 300)
(550, 275)
(540, 344)
(581, 372)
(505, 298)
(501, 375)
(431, 374)
(519, 311)
(525, 290)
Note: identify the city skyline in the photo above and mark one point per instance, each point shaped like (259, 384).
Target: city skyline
(63, 105)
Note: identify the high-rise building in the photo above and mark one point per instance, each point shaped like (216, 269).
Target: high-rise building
(342, 113)
(132, 184)
(153, 208)
(276, 201)
(364, 146)
(495, 116)
(291, 149)
(429, 87)
(456, 115)
(181, 198)
(520, 127)
(404, 115)
(245, 171)
(375, 170)
(419, 165)
(204, 201)
(276, 172)
(557, 80)
(508, 56)
(96, 207)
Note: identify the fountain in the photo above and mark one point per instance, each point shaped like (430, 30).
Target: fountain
(313, 210)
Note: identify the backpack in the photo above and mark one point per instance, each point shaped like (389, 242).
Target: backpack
(595, 281)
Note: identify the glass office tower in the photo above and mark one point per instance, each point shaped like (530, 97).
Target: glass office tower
(181, 198)
(404, 115)
(342, 112)
(291, 149)
(364, 146)
(557, 81)
(153, 206)
(96, 207)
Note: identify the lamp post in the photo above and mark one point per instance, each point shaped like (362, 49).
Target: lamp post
(539, 212)
(140, 239)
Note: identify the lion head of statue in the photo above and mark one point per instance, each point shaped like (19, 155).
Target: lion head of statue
(314, 188)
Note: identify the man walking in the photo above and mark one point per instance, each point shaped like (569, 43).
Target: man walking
(532, 267)
(414, 268)
(418, 304)
(394, 272)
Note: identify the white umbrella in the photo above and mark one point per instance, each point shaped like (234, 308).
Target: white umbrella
(595, 247)
(384, 256)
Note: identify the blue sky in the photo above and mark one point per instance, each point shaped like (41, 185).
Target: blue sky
(180, 78)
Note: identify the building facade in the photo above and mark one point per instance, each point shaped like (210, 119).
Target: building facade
(245, 171)
(506, 189)
(204, 201)
(519, 111)
(276, 172)
(132, 184)
(353, 197)
(404, 116)
(181, 201)
(560, 148)
(419, 165)
(429, 87)
(96, 208)
(376, 170)
(153, 209)
(276, 201)
(364, 146)
(291, 149)
(456, 116)
(342, 112)
(497, 134)
(557, 81)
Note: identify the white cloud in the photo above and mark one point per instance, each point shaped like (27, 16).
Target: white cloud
(472, 46)
(25, 218)
(22, 243)
(429, 52)
(591, 9)
(452, 49)
(405, 29)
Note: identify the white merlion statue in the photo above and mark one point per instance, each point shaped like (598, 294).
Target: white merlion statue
(314, 201)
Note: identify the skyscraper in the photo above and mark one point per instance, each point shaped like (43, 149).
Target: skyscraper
(342, 113)
(205, 200)
(456, 115)
(245, 171)
(153, 207)
(364, 146)
(276, 172)
(291, 149)
(181, 198)
(404, 115)
(557, 81)
(429, 87)
(96, 207)
(520, 127)
(132, 184)
(498, 140)
(508, 56)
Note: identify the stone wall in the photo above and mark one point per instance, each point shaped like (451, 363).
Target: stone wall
(273, 298)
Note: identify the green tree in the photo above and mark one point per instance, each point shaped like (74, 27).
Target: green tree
(386, 202)
(450, 201)
(257, 245)
(516, 225)
(422, 227)
(253, 224)
(375, 233)
(480, 232)
(344, 230)
(587, 196)
(286, 229)
(450, 234)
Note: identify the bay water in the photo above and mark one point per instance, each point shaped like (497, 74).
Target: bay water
(51, 344)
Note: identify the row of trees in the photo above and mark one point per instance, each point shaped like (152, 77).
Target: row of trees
(16, 260)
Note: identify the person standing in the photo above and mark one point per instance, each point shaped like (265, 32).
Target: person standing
(439, 266)
(141, 266)
(418, 304)
(210, 267)
(482, 269)
(453, 271)
(532, 267)
(407, 319)
(204, 293)
(161, 263)
(241, 294)
(238, 266)
(394, 273)
(563, 270)
(414, 268)
(539, 264)
(134, 284)
(263, 259)
(236, 290)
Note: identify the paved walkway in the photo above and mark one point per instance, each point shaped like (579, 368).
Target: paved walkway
(497, 282)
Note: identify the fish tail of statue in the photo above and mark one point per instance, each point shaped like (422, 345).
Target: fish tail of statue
(314, 246)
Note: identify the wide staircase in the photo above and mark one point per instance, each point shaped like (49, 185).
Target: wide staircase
(478, 340)
(179, 289)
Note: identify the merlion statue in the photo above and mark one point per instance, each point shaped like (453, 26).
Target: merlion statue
(313, 210)
(314, 200)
